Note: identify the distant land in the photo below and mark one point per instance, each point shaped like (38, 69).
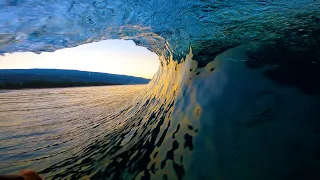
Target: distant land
(52, 78)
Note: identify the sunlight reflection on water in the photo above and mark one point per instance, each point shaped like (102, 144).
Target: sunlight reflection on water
(39, 127)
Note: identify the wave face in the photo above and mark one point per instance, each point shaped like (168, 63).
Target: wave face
(236, 96)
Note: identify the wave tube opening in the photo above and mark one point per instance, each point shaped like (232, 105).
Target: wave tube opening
(115, 56)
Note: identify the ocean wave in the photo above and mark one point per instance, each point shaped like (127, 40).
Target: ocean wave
(236, 96)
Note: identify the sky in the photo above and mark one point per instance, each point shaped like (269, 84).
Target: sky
(110, 56)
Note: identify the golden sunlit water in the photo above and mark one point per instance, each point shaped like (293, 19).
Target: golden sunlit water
(40, 127)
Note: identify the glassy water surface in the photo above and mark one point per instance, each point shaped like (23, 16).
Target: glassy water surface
(40, 127)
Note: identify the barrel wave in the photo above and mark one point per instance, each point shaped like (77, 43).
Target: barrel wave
(237, 96)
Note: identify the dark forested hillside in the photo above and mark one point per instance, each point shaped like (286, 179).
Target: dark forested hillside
(46, 78)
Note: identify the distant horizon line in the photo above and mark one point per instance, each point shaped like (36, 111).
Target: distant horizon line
(78, 70)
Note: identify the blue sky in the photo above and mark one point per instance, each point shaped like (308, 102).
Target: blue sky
(110, 56)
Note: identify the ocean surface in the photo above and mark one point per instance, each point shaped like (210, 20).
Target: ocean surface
(233, 118)
(40, 127)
